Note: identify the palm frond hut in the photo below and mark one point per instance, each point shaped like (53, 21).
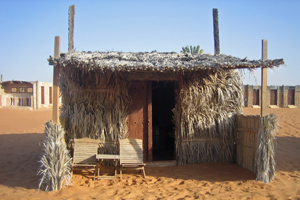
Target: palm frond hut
(163, 98)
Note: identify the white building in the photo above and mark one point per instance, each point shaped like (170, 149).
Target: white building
(32, 95)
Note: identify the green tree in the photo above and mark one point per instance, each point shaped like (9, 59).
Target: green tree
(192, 49)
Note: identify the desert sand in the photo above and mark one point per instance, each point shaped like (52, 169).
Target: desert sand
(21, 137)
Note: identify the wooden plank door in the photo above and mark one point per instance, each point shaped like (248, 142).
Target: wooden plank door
(140, 116)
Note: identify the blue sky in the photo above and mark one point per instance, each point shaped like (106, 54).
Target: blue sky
(28, 29)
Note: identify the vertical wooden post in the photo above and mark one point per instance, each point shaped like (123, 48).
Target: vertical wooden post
(216, 31)
(150, 131)
(71, 27)
(264, 76)
(55, 108)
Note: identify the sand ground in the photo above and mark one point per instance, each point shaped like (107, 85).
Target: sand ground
(21, 137)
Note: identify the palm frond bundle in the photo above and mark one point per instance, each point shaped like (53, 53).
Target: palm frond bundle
(266, 149)
(55, 162)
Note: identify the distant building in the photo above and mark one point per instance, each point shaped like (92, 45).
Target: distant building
(33, 95)
(278, 96)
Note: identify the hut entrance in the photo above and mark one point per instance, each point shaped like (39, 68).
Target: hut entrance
(163, 102)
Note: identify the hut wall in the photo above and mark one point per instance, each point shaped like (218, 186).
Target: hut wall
(204, 116)
(94, 105)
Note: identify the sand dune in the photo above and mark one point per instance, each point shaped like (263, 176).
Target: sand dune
(21, 136)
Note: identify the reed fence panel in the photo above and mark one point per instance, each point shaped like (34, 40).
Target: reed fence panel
(247, 134)
(256, 145)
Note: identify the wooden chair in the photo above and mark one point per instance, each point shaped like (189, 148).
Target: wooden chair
(84, 155)
(131, 155)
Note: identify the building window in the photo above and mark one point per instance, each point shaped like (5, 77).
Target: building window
(29, 90)
(42, 95)
(13, 90)
(22, 90)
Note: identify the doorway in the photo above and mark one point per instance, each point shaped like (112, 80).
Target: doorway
(163, 101)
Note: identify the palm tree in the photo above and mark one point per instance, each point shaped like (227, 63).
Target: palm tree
(192, 49)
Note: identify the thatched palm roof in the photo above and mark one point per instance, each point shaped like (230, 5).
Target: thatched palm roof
(155, 61)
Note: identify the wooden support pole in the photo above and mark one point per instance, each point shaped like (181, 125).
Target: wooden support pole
(216, 31)
(264, 76)
(71, 27)
(150, 114)
(55, 108)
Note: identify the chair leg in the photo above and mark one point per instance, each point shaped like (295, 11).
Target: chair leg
(144, 172)
(120, 172)
(116, 170)
(95, 173)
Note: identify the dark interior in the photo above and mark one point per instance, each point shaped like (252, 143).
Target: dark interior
(163, 101)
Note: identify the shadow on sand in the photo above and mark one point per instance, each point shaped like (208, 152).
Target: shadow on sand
(20, 154)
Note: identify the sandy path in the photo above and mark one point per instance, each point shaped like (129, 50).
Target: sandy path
(21, 133)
